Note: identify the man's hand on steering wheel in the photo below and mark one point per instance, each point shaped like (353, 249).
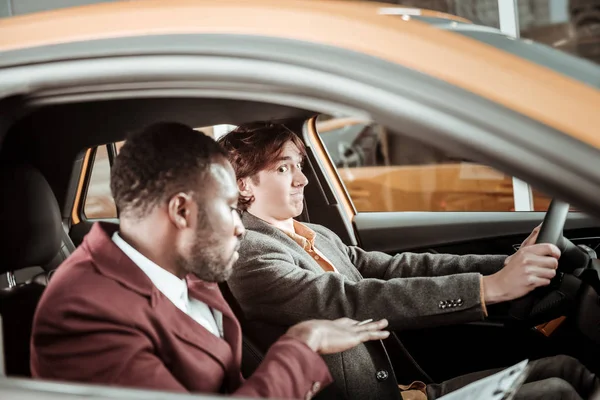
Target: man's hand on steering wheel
(544, 287)
(531, 239)
(532, 266)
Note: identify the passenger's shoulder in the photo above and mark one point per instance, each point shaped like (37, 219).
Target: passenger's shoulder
(78, 286)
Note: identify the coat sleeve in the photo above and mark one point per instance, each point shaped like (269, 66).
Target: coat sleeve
(92, 343)
(82, 340)
(289, 294)
(375, 264)
(290, 369)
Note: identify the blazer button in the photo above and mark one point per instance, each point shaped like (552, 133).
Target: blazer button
(382, 375)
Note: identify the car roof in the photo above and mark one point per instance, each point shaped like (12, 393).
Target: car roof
(575, 67)
(540, 93)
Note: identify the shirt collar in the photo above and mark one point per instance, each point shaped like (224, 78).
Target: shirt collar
(302, 235)
(171, 286)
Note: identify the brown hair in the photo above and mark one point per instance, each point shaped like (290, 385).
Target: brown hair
(255, 146)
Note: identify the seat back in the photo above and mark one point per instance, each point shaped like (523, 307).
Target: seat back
(252, 355)
(253, 350)
(32, 236)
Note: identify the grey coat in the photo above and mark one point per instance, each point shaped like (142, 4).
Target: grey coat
(278, 284)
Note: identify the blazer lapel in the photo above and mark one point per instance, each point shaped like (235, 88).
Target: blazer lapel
(321, 243)
(110, 261)
(210, 294)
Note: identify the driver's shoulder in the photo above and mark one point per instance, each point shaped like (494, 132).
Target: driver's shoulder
(323, 231)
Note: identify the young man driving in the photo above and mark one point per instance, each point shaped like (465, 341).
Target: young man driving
(305, 271)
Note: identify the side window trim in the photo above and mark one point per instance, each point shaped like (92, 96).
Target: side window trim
(94, 201)
(111, 149)
(84, 179)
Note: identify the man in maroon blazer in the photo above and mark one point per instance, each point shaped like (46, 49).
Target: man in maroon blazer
(137, 304)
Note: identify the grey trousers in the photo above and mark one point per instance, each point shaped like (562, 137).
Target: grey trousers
(554, 378)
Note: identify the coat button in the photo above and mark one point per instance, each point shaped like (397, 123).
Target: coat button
(382, 375)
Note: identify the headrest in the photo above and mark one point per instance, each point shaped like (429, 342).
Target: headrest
(30, 221)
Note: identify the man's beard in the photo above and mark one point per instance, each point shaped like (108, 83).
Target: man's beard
(206, 260)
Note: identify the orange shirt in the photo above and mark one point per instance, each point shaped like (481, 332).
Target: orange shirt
(305, 237)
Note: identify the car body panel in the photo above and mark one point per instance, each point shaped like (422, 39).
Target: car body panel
(481, 69)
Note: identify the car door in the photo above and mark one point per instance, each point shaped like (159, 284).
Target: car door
(411, 196)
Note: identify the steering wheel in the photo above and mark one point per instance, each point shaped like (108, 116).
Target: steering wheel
(546, 303)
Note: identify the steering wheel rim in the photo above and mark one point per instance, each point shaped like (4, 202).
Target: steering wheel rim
(551, 232)
(553, 225)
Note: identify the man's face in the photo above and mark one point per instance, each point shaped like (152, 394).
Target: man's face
(210, 249)
(279, 190)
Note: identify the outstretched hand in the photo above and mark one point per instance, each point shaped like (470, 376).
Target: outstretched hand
(327, 337)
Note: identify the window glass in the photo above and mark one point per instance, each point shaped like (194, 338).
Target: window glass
(388, 172)
(481, 12)
(98, 201)
(572, 26)
(540, 200)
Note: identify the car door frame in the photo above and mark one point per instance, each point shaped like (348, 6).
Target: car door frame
(284, 71)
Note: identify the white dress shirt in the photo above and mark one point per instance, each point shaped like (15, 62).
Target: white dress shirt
(174, 289)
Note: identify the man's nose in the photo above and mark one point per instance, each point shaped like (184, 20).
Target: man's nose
(238, 228)
(300, 179)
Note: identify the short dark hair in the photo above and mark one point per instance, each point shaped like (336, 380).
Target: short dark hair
(158, 162)
(255, 146)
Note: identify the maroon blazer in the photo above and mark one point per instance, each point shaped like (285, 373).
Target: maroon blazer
(102, 321)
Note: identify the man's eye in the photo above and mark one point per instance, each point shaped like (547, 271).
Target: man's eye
(283, 168)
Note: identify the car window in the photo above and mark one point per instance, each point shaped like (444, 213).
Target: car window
(385, 172)
(98, 202)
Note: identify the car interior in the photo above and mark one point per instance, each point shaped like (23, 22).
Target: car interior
(44, 174)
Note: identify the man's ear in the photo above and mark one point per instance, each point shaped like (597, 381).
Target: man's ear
(179, 210)
(245, 187)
